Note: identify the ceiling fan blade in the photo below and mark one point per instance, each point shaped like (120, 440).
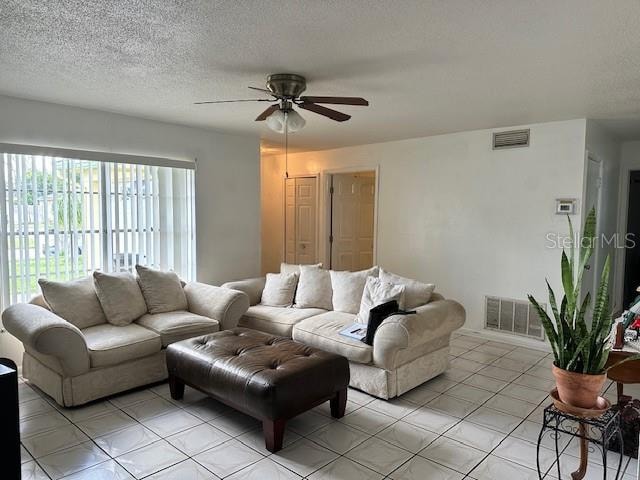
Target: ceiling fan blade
(268, 92)
(267, 112)
(337, 100)
(327, 112)
(233, 101)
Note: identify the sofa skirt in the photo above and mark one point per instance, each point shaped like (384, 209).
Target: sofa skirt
(97, 382)
(387, 384)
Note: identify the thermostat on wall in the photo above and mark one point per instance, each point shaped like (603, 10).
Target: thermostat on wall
(565, 206)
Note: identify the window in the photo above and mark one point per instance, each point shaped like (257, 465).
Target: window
(61, 218)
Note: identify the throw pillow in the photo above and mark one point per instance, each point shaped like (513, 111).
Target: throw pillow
(376, 292)
(279, 289)
(120, 297)
(75, 301)
(314, 288)
(416, 293)
(162, 291)
(348, 287)
(294, 268)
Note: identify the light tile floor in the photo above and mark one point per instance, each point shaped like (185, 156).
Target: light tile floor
(479, 420)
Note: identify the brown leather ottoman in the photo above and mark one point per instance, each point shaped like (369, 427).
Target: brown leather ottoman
(270, 378)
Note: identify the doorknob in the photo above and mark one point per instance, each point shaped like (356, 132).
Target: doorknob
(587, 267)
(303, 246)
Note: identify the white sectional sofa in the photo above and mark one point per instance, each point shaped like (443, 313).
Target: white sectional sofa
(407, 350)
(93, 358)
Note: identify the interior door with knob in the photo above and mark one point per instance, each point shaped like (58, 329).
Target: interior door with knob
(352, 220)
(301, 203)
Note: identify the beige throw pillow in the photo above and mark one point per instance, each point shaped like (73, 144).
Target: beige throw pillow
(348, 287)
(279, 289)
(120, 297)
(75, 301)
(314, 288)
(416, 293)
(162, 291)
(377, 292)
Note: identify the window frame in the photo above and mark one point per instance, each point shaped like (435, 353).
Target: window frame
(78, 155)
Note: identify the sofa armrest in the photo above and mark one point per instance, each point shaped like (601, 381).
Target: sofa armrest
(433, 320)
(222, 304)
(48, 334)
(251, 286)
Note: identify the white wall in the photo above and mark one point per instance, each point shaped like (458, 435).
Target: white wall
(453, 211)
(227, 176)
(606, 148)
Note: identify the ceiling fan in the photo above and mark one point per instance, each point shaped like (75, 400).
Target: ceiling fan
(286, 90)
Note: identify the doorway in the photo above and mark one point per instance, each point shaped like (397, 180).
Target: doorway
(632, 252)
(352, 220)
(300, 220)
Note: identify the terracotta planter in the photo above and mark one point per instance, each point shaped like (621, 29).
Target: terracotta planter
(578, 389)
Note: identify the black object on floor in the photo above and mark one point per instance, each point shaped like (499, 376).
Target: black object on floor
(378, 314)
(630, 426)
(9, 426)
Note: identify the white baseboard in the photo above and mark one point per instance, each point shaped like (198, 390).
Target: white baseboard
(506, 338)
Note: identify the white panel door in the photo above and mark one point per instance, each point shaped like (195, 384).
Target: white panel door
(306, 221)
(301, 220)
(352, 221)
(290, 220)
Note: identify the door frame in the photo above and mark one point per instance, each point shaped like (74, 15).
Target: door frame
(592, 157)
(325, 226)
(315, 176)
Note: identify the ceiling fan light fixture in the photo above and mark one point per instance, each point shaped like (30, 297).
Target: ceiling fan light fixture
(276, 121)
(295, 121)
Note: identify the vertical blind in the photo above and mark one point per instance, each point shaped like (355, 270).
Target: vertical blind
(62, 218)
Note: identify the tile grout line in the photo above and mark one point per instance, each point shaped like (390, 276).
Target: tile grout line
(358, 406)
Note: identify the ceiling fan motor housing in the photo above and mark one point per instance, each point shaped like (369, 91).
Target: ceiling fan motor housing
(286, 84)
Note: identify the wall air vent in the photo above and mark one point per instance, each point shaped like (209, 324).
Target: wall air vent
(517, 317)
(511, 139)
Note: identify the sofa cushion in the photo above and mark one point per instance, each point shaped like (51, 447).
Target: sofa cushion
(162, 291)
(279, 289)
(348, 287)
(416, 293)
(175, 326)
(75, 301)
(120, 297)
(323, 332)
(314, 288)
(275, 320)
(110, 344)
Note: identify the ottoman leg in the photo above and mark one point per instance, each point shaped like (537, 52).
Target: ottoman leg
(176, 387)
(273, 433)
(339, 403)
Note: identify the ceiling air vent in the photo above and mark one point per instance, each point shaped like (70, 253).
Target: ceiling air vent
(511, 139)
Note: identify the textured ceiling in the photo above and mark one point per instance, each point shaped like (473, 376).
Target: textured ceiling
(427, 67)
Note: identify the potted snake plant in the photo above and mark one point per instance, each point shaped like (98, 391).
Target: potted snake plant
(580, 350)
